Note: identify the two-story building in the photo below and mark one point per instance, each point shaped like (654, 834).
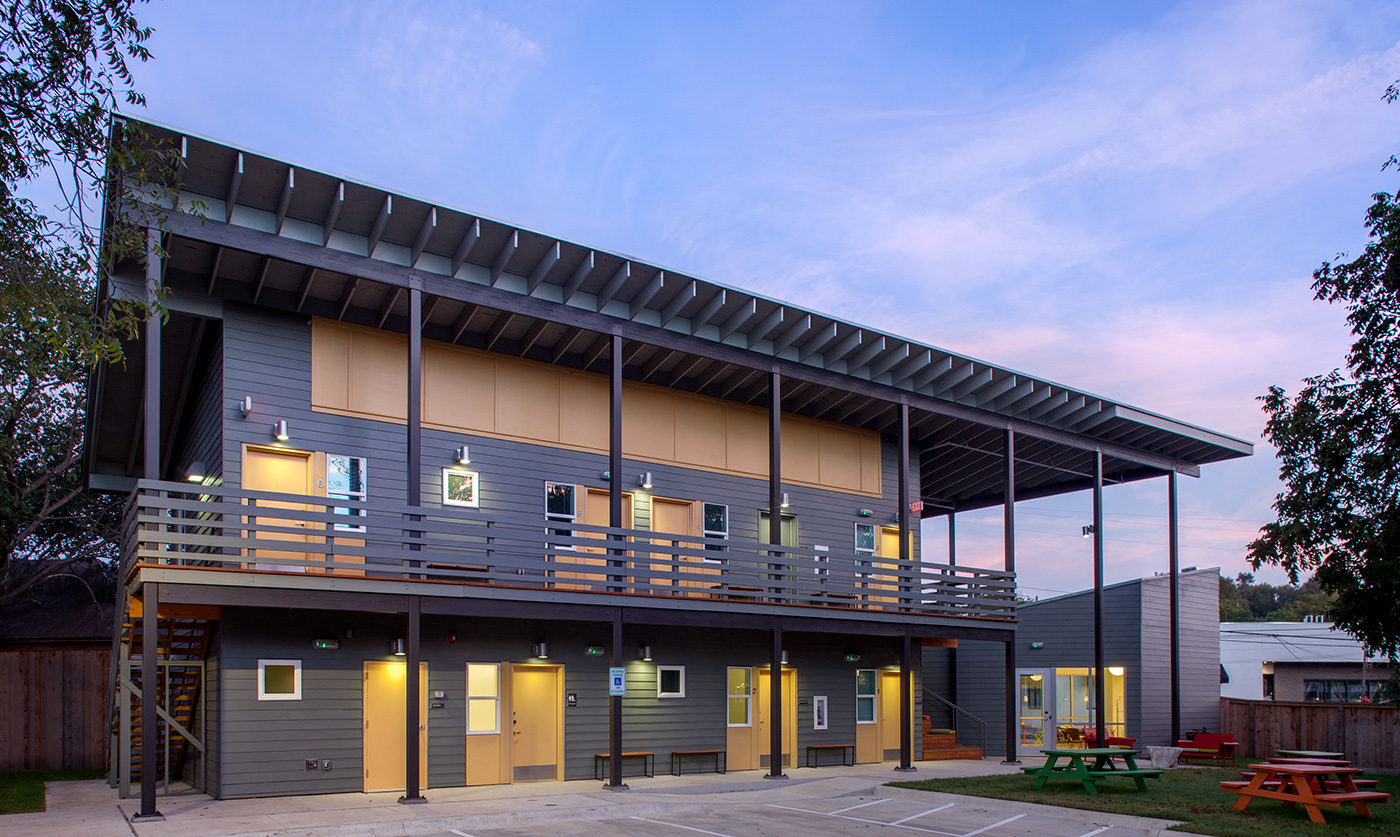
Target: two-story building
(424, 499)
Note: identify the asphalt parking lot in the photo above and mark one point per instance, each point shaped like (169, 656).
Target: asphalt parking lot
(818, 817)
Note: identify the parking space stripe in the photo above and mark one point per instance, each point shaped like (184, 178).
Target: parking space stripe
(925, 813)
(459, 833)
(1096, 831)
(686, 827)
(853, 807)
(875, 822)
(994, 825)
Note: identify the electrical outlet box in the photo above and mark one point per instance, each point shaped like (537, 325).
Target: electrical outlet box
(325, 764)
(311, 764)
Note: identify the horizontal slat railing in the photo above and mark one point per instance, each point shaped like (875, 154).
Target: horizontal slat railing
(173, 523)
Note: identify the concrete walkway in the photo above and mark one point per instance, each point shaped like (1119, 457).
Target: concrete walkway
(810, 803)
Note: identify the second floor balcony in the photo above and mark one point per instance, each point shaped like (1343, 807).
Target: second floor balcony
(289, 540)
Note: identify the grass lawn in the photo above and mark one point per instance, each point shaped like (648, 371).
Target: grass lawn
(1191, 795)
(22, 792)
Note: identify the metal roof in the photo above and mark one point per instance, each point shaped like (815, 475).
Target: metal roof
(280, 234)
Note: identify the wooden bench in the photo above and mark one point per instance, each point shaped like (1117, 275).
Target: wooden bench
(1139, 776)
(1358, 799)
(676, 756)
(601, 769)
(848, 754)
(1330, 784)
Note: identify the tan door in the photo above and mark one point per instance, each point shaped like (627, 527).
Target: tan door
(886, 576)
(595, 512)
(386, 687)
(889, 715)
(677, 517)
(762, 713)
(283, 472)
(536, 723)
(741, 748)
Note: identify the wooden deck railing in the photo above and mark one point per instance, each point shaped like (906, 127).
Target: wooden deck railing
(213, 526)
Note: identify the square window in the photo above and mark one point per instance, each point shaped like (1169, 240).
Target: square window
(279, 679)
(670, 681)
(459, 488)
(740, 697)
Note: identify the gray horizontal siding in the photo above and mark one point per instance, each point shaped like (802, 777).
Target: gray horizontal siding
(202, 431)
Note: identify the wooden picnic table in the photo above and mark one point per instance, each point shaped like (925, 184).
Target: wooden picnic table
(1293, 784)
(1324, 762)
(1101, 767)
(1309, 754)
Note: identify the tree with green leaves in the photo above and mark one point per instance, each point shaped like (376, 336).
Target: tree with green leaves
(63, 71)
(1338, 442)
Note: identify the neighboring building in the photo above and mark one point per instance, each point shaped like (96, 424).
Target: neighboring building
(378, 437)
(1297, 662)
(1055, 665)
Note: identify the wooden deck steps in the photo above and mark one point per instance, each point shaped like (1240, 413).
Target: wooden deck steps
(943, 745)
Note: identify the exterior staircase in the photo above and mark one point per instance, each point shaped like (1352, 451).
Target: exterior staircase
(942, 744)
(182, 638)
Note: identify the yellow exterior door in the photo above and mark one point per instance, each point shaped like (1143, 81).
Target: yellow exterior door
(385, 714)
(536, 723)
(764, 698)
(588, 559)
(282, 472)
(889, 715)
(886, 577)
(741, 748)
(677, 517)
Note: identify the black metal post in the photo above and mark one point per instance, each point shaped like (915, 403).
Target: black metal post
(775, 459)
(1172, 560)
(952, 539)
(150, 622)
(908, 593)
(906, 705)
(614, 702)
(1101, 728)
(615, 460)
(413, 717)
(1008, 522)
(415, 394)
(775, 703)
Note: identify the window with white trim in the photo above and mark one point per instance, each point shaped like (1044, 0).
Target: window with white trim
(561, 505)
(865, 696)
(345, 480)
(865, 545)
(483, 698)
(670, 681)
(279, 679)
(740, 697)
(715, 520)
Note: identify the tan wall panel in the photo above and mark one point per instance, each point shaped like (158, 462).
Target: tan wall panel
(649, 423)
(840, 457)
(701, 430)
(801, 441)
(527, 401)
(330, 365)
(583, 410)
(870, 463)
(379, 373)
(484, 760)
(747, 442)
(459, 388)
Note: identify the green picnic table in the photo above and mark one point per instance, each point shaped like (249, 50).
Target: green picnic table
(1309, 754)
(1090, 765)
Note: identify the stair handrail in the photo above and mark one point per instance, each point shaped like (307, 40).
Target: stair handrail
(957, 711)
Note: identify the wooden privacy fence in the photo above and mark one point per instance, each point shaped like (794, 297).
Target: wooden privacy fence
(167, 523)
(1369, 734)
(53, 705)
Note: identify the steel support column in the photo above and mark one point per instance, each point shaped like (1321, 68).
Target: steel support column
(413, 721)
(151, 470)
(952, 539)
(906, 705)
(909, 591)
(1101, 728)
(775, 458)
(1173, 566)
(1008, 522)
(775, 703)
(415, 397)
(615, 459)
(615, 703)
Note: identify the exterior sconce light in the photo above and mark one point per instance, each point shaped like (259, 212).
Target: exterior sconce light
(645, 480)
(280, 431)
(644, 651)
(397, 647)
(784, 658)
(785, 499)
(1116, 671)
(247, 406)
(541, 650)
(463, 455)
(196, 473)
(852, 657)
(1088, 531)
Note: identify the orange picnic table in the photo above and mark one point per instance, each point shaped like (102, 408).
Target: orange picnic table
(1302, 784)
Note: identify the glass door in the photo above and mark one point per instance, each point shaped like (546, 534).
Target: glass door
(1036, 699)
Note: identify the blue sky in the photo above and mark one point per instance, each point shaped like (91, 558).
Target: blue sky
(1129, 198)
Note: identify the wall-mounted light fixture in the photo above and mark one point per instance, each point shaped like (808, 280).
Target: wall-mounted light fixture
(644, 480)
(644, 651)
(1116, 671)
(784, 658)
(196, 472)
(785, 500)
(280, 431)
(463, 455)
(541, 650)
(247, 406)
(1088, 531)
(397, 648)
